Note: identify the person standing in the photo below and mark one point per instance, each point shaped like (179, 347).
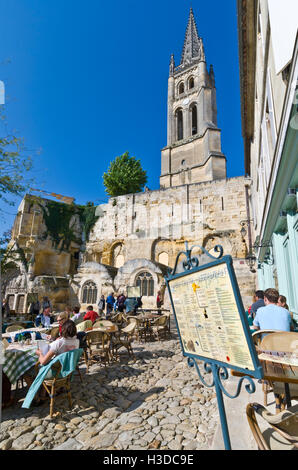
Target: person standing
(130, 305)
(101, 304)
(121, 300)
(139, 304)
(159, 300)
(272, 317)
(110, 303)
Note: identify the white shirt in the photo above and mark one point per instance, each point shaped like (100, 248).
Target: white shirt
(62, 345)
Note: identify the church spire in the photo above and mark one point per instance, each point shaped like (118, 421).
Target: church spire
(193, 45)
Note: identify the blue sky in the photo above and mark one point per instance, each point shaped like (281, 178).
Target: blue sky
(87, 81)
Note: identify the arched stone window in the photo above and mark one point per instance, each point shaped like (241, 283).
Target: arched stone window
(179, 121)
(191, 83)
(181, 88)
(145, 281)
(194, 119)
(89, 293)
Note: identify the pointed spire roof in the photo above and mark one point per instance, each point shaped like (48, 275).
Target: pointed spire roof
(193, 45)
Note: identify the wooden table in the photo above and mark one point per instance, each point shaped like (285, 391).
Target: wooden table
(275, 371)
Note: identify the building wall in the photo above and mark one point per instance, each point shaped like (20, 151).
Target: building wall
(153, 226)
(272, 151)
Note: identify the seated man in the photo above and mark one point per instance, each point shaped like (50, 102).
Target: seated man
(272, 317)
(77, 316)
(91, 315)
(45, 318)
(259, 302)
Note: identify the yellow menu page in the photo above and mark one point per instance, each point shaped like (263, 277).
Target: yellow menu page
(208, 317)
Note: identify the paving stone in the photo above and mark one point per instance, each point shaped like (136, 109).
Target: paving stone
(24, 441)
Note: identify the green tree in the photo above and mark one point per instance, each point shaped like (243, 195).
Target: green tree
(14, 166)
(124, 176)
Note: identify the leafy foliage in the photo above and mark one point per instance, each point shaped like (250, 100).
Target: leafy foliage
(87, 218)
(61, 220)
(60, 227)
(10, 256)
(124, 176)
(14, 166)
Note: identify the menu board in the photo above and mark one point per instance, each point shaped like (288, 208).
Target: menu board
(208, 319)
(133, 291)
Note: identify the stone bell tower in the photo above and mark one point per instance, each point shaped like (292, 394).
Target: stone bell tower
(193, 152)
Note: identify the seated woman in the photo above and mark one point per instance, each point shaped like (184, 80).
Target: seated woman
(67, 342)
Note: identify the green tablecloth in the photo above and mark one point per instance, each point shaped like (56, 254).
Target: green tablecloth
(16, 363)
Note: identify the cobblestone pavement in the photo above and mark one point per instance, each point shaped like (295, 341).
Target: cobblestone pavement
(156, 402)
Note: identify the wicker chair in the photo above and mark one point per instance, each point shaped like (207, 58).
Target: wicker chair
(98, 344)
(124, 339)
(257, 338)
(119, 319)
(160, 327)
(282, 433)
(57, 383)
(97, 324)
(5, 343)
(281, 341)
(13, 328)
(142, 330)
(84, 326)
(105, 323)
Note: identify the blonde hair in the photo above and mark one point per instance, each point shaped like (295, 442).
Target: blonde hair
(63, 316)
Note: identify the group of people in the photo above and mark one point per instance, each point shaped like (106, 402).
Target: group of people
(270, 311)
(118, 303)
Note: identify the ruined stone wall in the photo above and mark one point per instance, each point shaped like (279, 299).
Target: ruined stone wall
(154, 225)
